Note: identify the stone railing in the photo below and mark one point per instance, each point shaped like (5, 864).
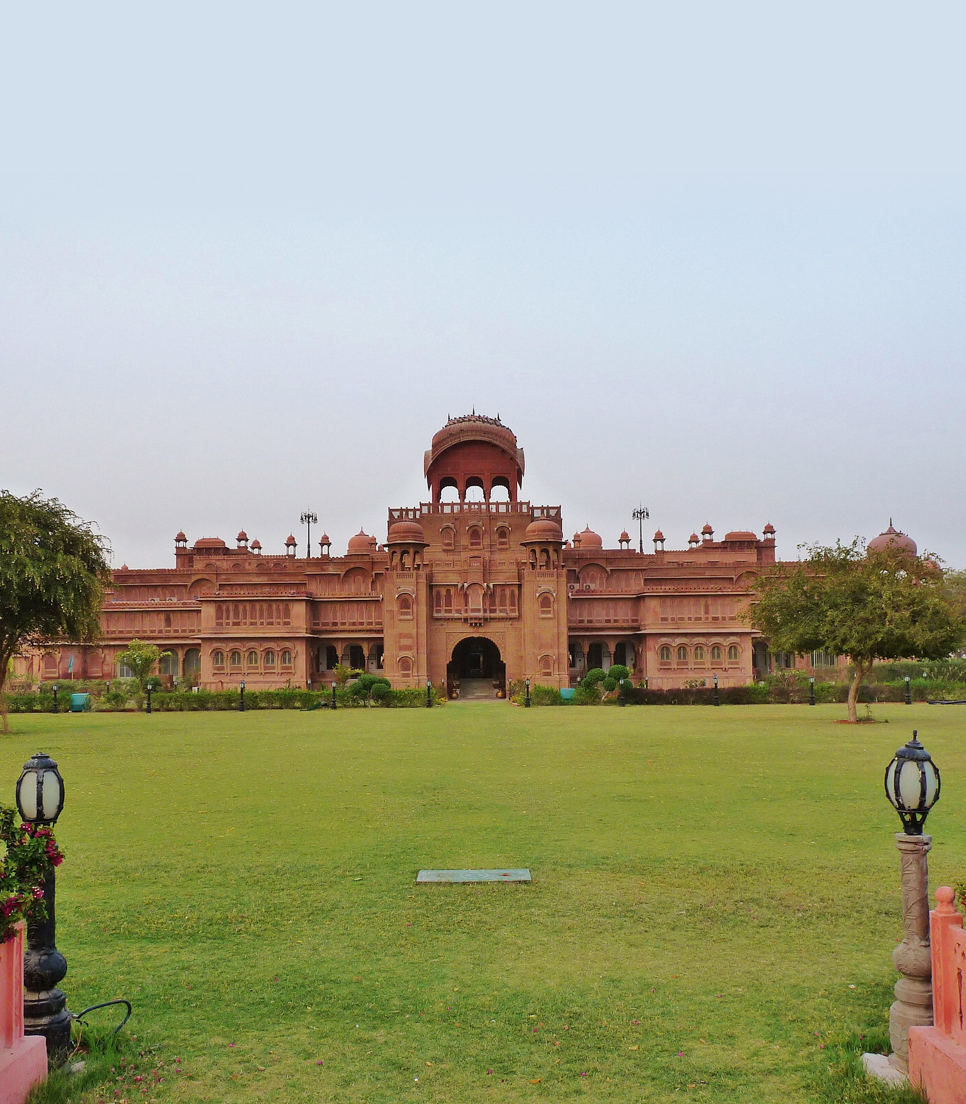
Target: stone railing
(937, 1055)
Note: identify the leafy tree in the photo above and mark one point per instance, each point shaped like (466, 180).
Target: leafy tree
(140, 659)
(53, 569)
(866, 604)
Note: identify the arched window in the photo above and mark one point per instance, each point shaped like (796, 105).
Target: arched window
(235, 659)
(502, 538)
(716, 654)
(546, 605)
(546, 665)
(252, 658)
(682, 654)
(545, 557)
(533, 557)
(405, 666)
(286, 658)
(269, 659)
(476, 537)
(438, 601)
(404, 560)
(733, 653)
(448, 535)
(405, 607)
(699, 652)
(665, 654)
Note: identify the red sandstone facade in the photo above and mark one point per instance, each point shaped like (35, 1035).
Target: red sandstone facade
(461, 589)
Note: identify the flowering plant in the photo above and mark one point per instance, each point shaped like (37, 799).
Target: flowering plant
(31, 854)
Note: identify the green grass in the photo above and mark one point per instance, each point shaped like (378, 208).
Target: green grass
(714, 904)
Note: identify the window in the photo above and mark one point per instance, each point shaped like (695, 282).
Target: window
(405, 666)
(699, 652)
(733, 653)
(716, 654)
(546, 605)
(823, 659)
(123, 671)
(665, 654)
(544, 557)
(405, 606)
(235, 659)
(252, 658)
(286, 658)
(449, 538)
(502, 538)
(269, 659)
(546, 665)
(476, 537)
(682, 654)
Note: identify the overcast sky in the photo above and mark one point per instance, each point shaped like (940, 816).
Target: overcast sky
(708, 257)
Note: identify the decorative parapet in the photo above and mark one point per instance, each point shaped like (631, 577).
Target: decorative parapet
(937, 1055)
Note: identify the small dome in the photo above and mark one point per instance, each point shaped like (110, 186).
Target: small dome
(242, 536)
(707, 529)
(180, 536)
(694, 539)
(324, 539)
(894, 541)
(590, 539)
(361, 543)
(740, 535)
(210, 542)
(769, 530)
(405, 532)
(291, 540)
(658, 535)
(124, 567)
(543, 529)
(256, 543)
(625, 536)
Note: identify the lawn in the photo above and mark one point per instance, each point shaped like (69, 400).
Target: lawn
(715, 898)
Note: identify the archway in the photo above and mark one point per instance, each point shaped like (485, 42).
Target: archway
(476, 670)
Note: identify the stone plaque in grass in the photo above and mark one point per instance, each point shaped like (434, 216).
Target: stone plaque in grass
(426, 876)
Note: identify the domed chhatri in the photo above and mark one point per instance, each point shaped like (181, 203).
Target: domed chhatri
(361, 543)
(543, 529)
(406, 532)
(589, 540)
(893, 540)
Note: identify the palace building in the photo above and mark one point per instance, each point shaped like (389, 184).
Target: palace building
(473, 588)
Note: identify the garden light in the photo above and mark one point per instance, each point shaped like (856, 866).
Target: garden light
(908, 691)
(912, 785)
(717, 693)
(811, 690)
(40, 790)
(527, 702)
(241, 696)
(429, 693)
(56, 688)
(334, 706)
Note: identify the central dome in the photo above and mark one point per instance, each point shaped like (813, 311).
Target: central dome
(893, 540)
(543, 529)
(408, 532)
(361, 542)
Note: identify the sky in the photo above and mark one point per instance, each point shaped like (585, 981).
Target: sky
(707, 258)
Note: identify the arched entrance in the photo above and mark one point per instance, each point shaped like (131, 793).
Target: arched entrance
(476, 670)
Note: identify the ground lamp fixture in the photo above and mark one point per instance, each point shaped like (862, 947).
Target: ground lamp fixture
(908, 691)
(429, 693)
(56, 688)
(40, 799)
(527, 700)
(811, 690)
(717, 694)
(334, 706)
(241, 696)
(912, 787)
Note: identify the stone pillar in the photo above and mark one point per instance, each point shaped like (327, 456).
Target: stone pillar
(913, 1006)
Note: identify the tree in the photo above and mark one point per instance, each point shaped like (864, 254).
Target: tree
(140, 659)
(868, 605)
(53, 569)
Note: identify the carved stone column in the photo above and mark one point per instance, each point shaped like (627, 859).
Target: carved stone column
(913, 1006)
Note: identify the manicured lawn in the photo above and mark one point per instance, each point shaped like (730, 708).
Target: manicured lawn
(714, 904)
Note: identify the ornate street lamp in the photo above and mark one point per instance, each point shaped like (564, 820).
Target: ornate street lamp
(56, 688)
(40, 799)
(429, 694)
(620, 693)
(149, 688)
(908, 691)
(527, 701)
(308, 520)
(717, 693)
(912, 786)
(334, 706)
(241, 696)
(811, 690)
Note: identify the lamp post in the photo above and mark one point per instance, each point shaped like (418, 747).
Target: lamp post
(40, 799)
(334, 706)
(912, 786)
(640, 515)
(811, 690)
(717, 692)
(56, 688)
(620, 693)
(908, 691)
(526, 702)
(429, 694)
(241, 696)
(308, 520)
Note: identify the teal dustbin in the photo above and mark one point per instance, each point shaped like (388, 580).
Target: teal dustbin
(567, 694)
(80, 703)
